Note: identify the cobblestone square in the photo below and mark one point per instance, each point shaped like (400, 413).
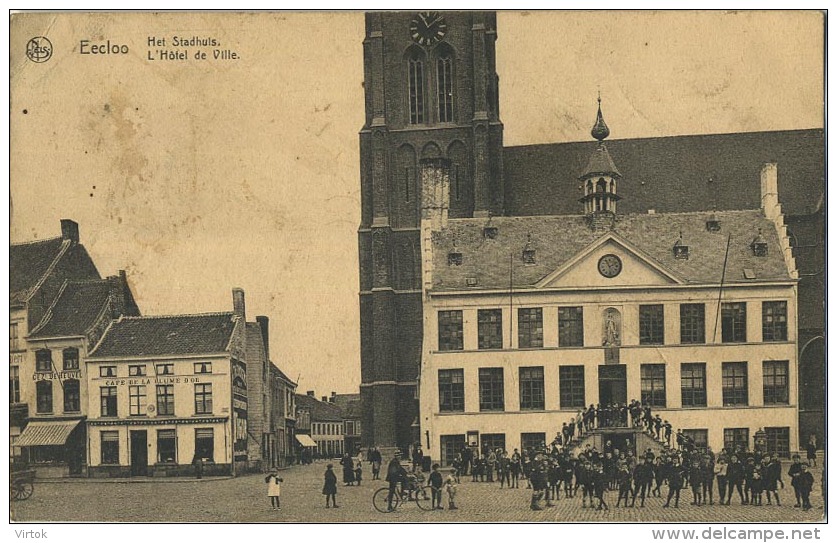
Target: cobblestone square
(244, 499)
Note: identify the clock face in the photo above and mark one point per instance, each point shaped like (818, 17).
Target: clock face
(428, 28)
(610, 265)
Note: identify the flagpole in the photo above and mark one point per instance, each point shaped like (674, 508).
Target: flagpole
(721, 290)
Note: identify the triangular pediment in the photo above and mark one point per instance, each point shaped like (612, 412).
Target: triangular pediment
(610, 261)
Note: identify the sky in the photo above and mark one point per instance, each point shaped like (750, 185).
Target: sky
(198, 176)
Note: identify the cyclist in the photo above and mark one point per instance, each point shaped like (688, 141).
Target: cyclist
(396, 476)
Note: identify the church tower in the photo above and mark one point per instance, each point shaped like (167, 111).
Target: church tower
(431, 91)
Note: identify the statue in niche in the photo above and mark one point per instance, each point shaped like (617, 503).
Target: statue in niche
(612, 328)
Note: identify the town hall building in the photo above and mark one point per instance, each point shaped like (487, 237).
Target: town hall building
(527, 320)
(581, 238)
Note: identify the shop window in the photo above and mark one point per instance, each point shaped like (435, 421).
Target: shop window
(167, 446)
(110, 447)
(205, 444)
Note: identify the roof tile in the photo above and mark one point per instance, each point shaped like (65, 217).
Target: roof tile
(558, 239)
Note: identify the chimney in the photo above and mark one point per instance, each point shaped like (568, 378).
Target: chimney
(310, 393)
(435, 191)
(238, 303)
(264, 324)
(69, 230)
(770, 190)
(325, 399)
(116, 287)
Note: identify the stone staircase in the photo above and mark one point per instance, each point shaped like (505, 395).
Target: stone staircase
(640, 441)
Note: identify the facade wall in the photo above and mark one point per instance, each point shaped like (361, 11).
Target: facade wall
(185, 418)
(715, 417)
(18, 370)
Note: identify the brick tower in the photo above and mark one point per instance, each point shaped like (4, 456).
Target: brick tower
(431, 92)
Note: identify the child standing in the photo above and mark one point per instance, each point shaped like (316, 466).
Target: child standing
(359, 470)
(330, 486)
(450, 486)
(806, 483)
(436, 488)
(274, 490)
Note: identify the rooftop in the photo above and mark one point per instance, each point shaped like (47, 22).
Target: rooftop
(207, 333)
(672, 174)
(77, 308)
(557, 239)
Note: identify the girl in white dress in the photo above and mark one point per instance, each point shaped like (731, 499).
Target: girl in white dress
(274, 490)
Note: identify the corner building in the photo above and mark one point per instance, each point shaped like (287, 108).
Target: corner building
(166, 389)
(529, 319)
(432, 93)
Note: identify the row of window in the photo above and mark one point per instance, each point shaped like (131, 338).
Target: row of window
(778, 441)
(70, 359)
(530, 331)
(43, 393)
(166, 446)
(141, 370)
(43, 359)
(327, 428)
(138, 400)
(734, 386)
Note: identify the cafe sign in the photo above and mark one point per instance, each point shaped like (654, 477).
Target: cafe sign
(56, 375)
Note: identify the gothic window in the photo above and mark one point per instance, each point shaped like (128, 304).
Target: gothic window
(415, 82)
(601, 186)
(444, 86)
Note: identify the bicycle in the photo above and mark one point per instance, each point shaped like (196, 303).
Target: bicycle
(420, 495)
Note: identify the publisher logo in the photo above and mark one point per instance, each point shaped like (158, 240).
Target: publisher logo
(39, 49)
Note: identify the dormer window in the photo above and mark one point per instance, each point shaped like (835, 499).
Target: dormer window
(681, 250)
(713, 224)
(759, 245)
(489, 232)
(454, 258)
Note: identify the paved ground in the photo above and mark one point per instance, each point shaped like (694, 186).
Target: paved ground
(244, 499)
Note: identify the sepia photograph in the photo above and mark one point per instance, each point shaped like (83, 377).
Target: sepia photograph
(417, 266)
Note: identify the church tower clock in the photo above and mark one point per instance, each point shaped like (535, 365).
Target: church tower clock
(431, 92)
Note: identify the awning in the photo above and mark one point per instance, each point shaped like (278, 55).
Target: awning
(46, 432)
(305, 440)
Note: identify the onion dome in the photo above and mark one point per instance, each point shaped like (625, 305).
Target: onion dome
(600, 130)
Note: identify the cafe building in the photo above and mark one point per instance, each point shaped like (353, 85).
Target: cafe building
(166, 392)
(54, 438)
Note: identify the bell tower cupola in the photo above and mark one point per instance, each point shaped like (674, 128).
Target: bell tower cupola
(600, 178)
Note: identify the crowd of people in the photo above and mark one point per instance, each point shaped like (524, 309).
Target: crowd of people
(562, 468)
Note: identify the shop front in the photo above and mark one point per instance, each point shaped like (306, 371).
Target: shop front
(160, 447)
(54, 447)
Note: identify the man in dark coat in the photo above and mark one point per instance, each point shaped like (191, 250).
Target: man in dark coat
(539, 482)
(643, 475)
(735, 479)
(396, 474)
(675, 482)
